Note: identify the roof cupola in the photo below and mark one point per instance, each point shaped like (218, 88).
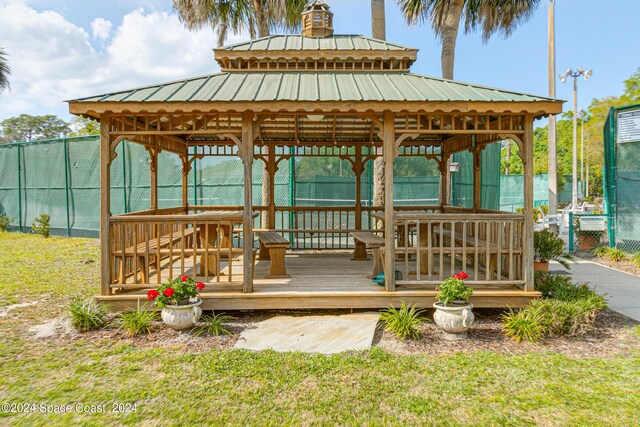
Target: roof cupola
(317, 19)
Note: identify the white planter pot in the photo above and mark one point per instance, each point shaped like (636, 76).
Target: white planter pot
(180, 317)
(453, 319)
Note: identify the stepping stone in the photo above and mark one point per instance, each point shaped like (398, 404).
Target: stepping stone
(311, 334)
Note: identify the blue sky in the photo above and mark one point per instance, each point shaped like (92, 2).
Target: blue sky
(57, 54)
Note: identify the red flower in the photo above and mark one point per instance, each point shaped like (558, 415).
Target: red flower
(152, 294)
(168, 292)
(184, 278)
(462, 276)
(200, 286)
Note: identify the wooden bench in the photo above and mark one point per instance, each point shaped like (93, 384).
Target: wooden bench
(375, 243)
(274, 247)
(155, 246)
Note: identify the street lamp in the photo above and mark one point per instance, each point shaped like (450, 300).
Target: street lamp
(582, 115)
(563, 78)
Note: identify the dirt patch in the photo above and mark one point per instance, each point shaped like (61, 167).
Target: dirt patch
(613, 335)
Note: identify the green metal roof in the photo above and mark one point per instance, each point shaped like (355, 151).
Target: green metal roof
(298, 42)
(313, 86)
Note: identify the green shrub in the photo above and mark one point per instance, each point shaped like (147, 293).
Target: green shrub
(565, 308)
(87, 314)
(404, 322)
(548, 246)
(636, 259)
(612, 254)
(41, 225)
(4, 222)
(214, 325)
(523, 325)
(137, 321)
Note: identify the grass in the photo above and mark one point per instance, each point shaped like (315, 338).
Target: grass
(612, 254)
(403, 322)
(523, 325)
(195, 386)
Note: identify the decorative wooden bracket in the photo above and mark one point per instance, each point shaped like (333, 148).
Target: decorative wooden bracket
(188, 161)
(519, 143)
(153, 157)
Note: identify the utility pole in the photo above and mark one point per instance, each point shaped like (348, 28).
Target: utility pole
(552, 145)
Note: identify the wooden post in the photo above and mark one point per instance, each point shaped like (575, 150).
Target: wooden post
(272, 167)
(247, 218)
(389, 155)
(186, 167)
(105, 203)
(153, 170)
(477, 178)
(527, 142)
(444, 180)
(360, 251)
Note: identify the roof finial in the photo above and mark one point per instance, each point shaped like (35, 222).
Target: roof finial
(317, 19)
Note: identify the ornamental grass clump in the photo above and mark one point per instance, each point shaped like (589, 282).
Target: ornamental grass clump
(565, 308)
(404, 322)
(612, 254)
(137, 321)
(87, 314)
(175, 292)
(213, 325)
(453, 290)
(41, 225)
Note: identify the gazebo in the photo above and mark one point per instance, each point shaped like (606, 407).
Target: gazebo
(316, 94)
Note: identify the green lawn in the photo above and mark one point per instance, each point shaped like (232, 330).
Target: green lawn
(178, 386)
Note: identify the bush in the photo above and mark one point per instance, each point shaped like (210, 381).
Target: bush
(404, 322)
(87, 314)
(636, 259)
(137, 321)
(548, 246)
(565, 308)
(214, 325)
(612, 254)
(41, 225)
(523, 325)
(4, 222)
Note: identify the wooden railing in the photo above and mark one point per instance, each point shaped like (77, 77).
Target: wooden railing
(488, 246)
(148, 249)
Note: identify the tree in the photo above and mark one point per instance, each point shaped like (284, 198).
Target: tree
(5, 70)
(489, 16)
(27, 128)
(378, 31)
(81, 127)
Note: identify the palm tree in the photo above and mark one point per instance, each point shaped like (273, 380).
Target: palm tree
(4, 70)
(258, 17)
(378, 31)
(489, 16)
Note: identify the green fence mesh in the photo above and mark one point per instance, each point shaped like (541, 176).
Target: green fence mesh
(61, 178)
(622, 176)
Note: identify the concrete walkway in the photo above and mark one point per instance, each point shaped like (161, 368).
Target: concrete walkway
(622, 289)
(311, 334)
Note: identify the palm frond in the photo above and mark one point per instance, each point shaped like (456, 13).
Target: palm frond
(5, 70)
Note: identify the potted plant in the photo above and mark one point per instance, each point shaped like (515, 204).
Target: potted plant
(454, 313)
(587, 239)
(548, 246)
(179, 301)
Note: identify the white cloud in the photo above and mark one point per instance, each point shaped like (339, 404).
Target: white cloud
(53, 60)
(101, 28)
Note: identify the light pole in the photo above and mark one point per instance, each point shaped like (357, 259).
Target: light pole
(563, 78)
(582, 115)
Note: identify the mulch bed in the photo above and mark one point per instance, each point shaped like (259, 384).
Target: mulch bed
(613, 335)
(624, 265)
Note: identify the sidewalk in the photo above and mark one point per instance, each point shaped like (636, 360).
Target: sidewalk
(622, 289)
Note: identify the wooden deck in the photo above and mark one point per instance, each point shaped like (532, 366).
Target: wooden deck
(327, 280)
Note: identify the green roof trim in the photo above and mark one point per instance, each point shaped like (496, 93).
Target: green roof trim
(297, 42)
(313, 86)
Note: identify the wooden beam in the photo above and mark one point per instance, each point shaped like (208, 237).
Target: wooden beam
(272, 168)
(247, 220)
(389, 155)
(444, 180)
(477, 177)
(105, 203)
(153, 177)
(527, 143)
